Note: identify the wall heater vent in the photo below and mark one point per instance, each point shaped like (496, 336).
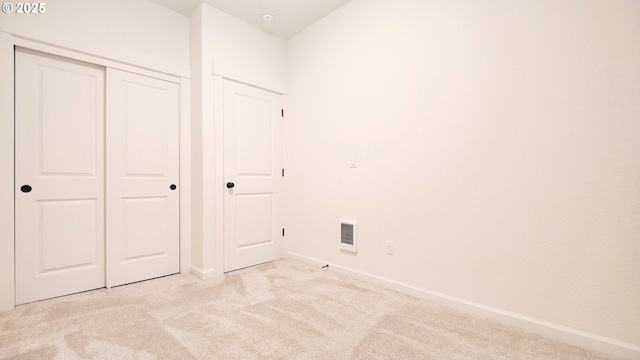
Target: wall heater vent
(348, 238)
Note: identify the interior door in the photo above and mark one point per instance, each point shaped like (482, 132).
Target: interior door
(59, 176)
(253, 176)
(142, 178)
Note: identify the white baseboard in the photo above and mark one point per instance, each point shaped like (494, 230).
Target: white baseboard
(565, 334)
(203, 274)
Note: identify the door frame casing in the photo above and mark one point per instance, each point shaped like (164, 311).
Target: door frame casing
(7, 279)
(218, 82)
(7, 156)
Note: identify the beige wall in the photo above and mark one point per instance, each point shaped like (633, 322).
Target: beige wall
(244, 52)
(233, 49)
(497, 144)
(136, 32)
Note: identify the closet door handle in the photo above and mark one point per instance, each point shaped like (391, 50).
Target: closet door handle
(172, 186)
(230, 185)
(25, 188)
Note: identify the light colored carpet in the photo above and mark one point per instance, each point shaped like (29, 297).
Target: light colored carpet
(279, 310)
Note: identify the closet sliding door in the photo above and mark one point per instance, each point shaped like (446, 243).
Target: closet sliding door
(142, 177)
(97, 169)
(59, 176)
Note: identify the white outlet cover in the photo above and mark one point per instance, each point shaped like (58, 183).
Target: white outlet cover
(389, 247)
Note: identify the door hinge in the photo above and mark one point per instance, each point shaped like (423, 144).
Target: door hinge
(282, 112)
(282, 172)
(282, 232)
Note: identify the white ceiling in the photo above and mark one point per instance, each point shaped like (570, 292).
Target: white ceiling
(290, 16)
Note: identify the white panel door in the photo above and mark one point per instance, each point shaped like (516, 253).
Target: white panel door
(59, 176)
(142, 178)
(253, 176)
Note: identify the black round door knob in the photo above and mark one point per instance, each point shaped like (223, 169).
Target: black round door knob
(172, 186)
(25, 188)
(230, 185)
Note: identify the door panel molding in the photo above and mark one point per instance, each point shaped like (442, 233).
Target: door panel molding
(59, 134)
(8, 45)
(253, 163)
(75, 156)
(143, 178)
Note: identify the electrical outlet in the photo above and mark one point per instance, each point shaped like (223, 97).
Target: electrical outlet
(389, 247)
